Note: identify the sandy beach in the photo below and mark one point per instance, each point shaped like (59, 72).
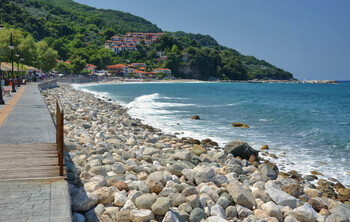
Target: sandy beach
(119, 169)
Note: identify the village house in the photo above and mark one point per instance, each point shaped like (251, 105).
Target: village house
(165, 71)
(118, 69)
(128, 42)
(91, 68)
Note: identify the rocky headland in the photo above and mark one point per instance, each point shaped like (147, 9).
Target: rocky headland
(119, 169)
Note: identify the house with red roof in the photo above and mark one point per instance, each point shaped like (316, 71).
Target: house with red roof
(165, 71)
(91, 68)
(118, 69)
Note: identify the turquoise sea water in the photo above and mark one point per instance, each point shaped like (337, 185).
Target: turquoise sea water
(309, 124)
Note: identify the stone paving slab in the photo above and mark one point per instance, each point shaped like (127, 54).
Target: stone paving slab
(29, 120)
(34, 200)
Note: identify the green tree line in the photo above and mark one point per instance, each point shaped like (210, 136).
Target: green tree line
(37, 54)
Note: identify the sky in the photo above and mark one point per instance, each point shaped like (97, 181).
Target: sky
(310, 39)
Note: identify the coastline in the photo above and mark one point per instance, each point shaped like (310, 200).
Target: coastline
(248, 171)
(125, 80)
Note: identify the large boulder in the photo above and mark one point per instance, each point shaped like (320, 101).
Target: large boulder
(82, 201)
(241, 195)
(241, 149)
(304, 213)
(341, 209)
(281, 198)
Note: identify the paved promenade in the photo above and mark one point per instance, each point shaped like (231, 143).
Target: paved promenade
(29, 120)
(41, 199)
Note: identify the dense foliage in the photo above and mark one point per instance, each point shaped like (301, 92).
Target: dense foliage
(78, 31)
(32, 52)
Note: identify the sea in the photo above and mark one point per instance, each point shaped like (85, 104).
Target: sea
(307, 126)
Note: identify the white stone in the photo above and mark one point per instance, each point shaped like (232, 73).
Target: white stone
(217, 210)
(216, 219)
(141, 215)
(120, 198)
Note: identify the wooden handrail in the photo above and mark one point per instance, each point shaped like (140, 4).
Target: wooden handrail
(59, 134)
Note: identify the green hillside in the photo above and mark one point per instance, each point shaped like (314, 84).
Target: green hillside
(78, 32)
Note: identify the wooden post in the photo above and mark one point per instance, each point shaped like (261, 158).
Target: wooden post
(59, 134)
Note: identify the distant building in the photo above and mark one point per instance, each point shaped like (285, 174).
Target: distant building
(139, 64)
(130, 40)
(160, 53)
(165, 71)
(119, 69)
(91, 68)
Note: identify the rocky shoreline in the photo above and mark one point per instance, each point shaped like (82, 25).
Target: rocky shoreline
(119, 169)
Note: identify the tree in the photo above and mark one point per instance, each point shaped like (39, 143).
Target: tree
(108, 33)
(47, 56)
(64, 68)
(27, 49)
(78, 64)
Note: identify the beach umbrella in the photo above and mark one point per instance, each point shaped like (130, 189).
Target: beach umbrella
(5, 67)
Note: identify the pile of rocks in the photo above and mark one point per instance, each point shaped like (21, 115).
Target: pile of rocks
(119, 169)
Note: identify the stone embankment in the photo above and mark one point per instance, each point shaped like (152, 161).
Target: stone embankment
(122, 170)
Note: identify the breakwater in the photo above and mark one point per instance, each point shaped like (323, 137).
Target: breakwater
(120, 169)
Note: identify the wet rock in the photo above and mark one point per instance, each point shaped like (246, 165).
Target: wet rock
(240, 125)
(195, 117)
(265, 147)
(241, 149)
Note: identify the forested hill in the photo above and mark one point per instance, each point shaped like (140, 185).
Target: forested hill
(77, 31)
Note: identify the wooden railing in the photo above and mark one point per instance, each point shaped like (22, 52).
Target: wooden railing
(59, 134)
